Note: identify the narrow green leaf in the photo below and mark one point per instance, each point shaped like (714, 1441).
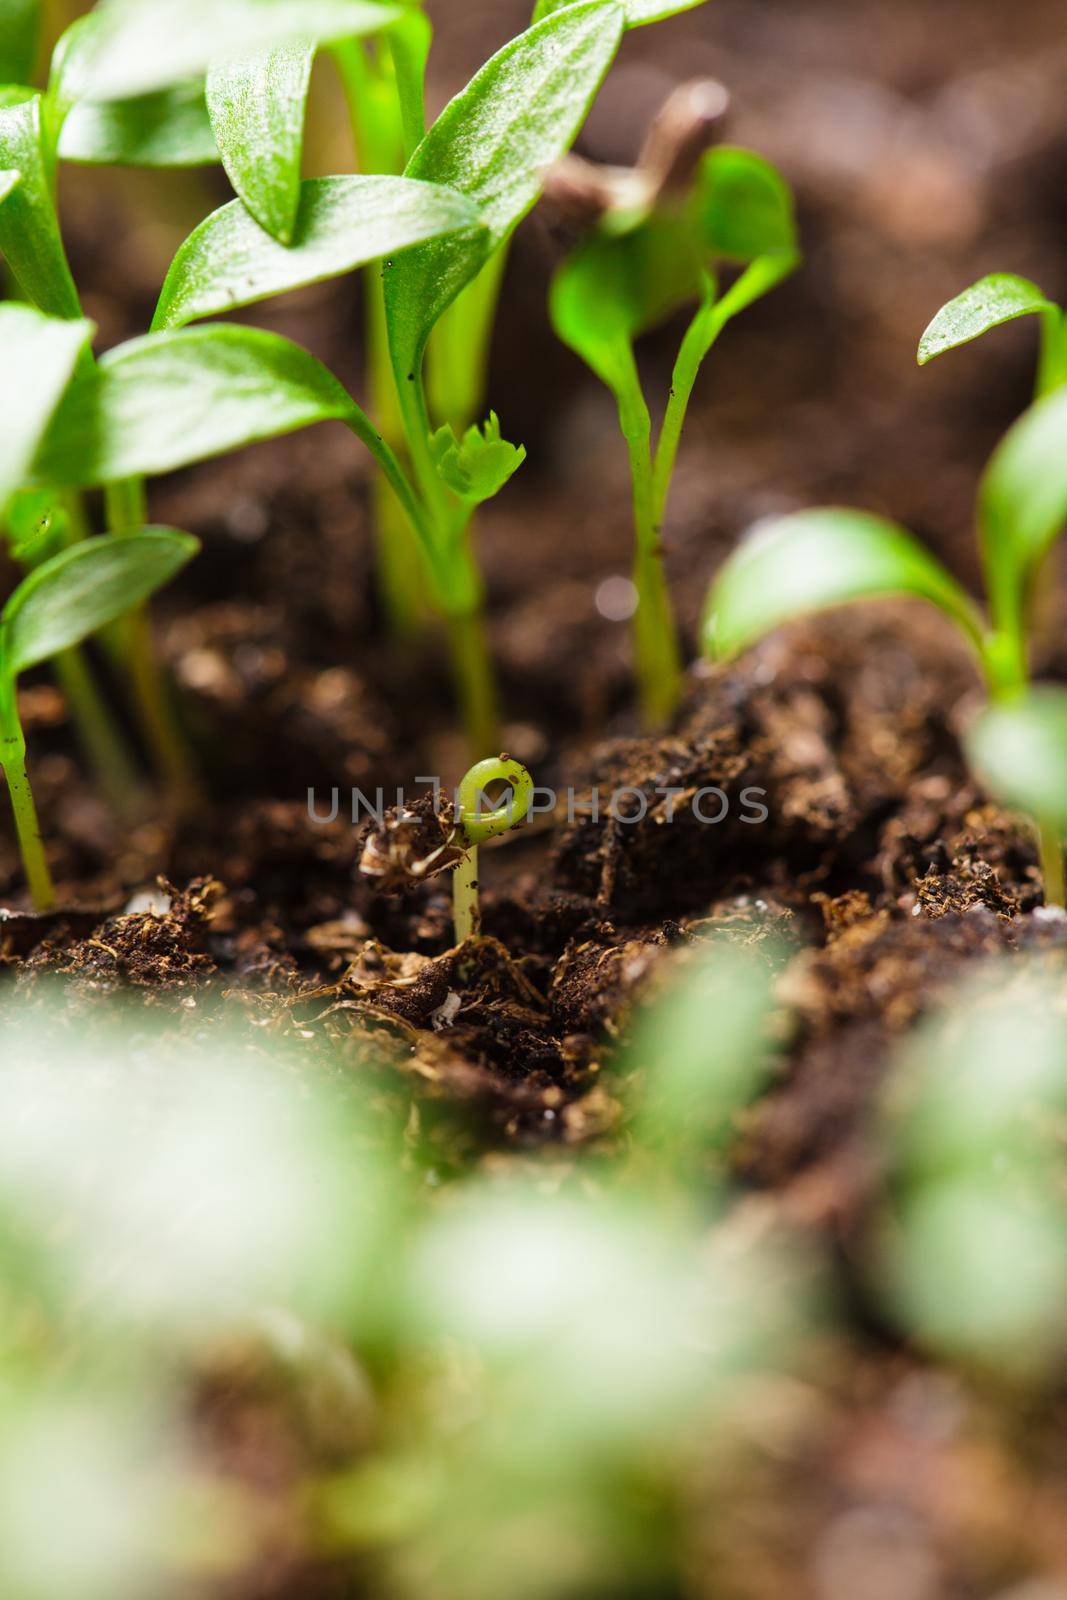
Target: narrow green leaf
(638, 12)
(999, 298)
(168, 129)
(29, 229)
(20, 28)
(84, 588)
(1020, 750)
(257, 104)
(493, 142)
(342, 223)
(39, 355)
(1023, 500)
(137, 46)
(818, 559)
(168, 399)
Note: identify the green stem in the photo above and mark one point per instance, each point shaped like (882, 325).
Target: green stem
(699, 338)
(458, 358)
(1050, 841)
(104, 745)
(376, 100)
(1052, 365)
(466, 909)
(126, 510)
(475, 680)
(27, 825)
(656, 647)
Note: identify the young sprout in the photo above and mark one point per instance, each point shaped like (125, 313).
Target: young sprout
(663, 233)
(476, 826)
(1000, 298)
(58, 605)
(820, 559)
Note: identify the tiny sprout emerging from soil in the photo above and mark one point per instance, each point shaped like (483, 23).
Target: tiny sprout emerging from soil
(661, 235)
(476, 826)
(816, 560)
(1000, 298)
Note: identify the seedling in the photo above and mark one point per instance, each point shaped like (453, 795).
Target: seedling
(820, 559)
(989, 304)
(475, 826)
(61, 603)
(658, 247)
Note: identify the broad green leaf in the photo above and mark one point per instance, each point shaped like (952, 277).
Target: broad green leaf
(638, 12)
(20, 28)
(342, 223)
(169, 399)
(1023, 499)
(477, 466)
(8, 180)
(84, 588)
(999, 298)
(1020, 750)
(815, 560)
(493, 142)
(617, 287)
(137, 46)
(168, 129)
(257, 104)
(39, 357)
(743, 207)
(29, 229)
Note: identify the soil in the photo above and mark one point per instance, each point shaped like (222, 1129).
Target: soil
(926, 142)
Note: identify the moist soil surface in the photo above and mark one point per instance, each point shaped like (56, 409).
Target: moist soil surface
(926, 144)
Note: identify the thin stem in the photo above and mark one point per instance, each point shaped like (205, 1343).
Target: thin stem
(1050, 841)
(458, 357)
(466, 907)
(475, 680)
(699, 338)
(126, 510)
(104, 745)
(375, 113)
(656, 647)
(409, 70)
(27, 824)
(1052, 364)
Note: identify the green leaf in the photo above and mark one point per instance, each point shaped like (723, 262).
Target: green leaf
(743, 207)
(342, 223)
(999, 298)
(617, 287)
(818, 559)
(1020, 750)
(8, 180)
(638, 12)
(137, 46)
(477, 466)
(493, 142)
(37, 526)
(83, 589)
(29, 229)
(1023, 499)
(168, 399)
(257, 104)
(20, 28)
(40, 354)
(168, 129)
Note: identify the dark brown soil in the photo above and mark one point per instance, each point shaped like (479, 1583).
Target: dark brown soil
(926, 141)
